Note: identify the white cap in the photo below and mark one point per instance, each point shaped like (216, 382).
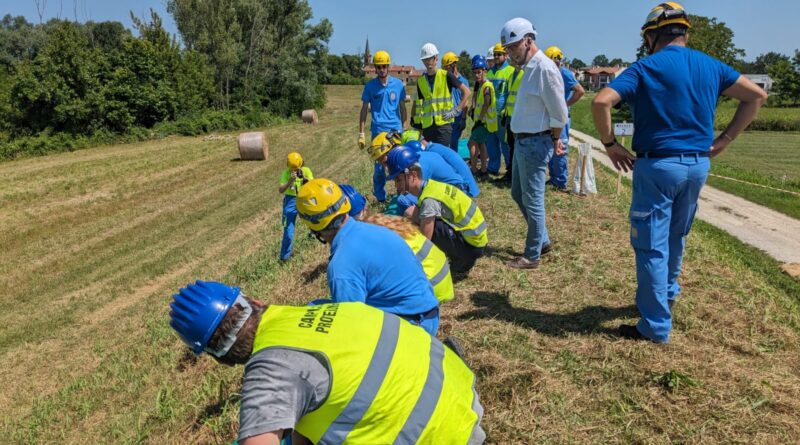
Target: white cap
(514, 30)
(490, 54)
(428, 50)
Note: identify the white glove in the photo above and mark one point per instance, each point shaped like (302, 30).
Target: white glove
(449, 115)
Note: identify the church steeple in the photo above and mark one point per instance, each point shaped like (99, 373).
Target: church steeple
(367, 54)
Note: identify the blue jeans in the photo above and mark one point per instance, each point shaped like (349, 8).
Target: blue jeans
(496, 145)
(558, 164)
(379, 182)
(531, 155)
(289, 217)
(458, 127)
(664, 203)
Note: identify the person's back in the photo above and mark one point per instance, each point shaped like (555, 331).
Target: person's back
(673, 95)
(374, 265)
(454, 160)
(434, 167)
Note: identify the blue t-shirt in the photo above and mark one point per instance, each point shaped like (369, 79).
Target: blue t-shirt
(673, 96)
(385, 102)
(372, 264)
(434, 167)
(569, 82)
(456, 93)
(454, 160)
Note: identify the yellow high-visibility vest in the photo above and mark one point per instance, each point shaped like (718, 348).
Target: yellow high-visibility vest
(391, 382)
(512, 92)
(467, 217)
(434, 263)
(432, 106)
(490, 117)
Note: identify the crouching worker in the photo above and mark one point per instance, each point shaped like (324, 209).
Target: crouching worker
(341, 373)
(295, 175)
(446, 215)
(433, 260)
(368, 263)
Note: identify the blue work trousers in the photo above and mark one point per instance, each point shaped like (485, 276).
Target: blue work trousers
(458, 128)
(664, 203)
(496, 145)
(379, 182)
(531, 155)
(289, 217)
(558, 164)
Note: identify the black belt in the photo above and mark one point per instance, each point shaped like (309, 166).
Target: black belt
(419, 318)
(657, 155)
(530, 135)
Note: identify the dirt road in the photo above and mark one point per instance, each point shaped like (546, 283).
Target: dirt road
(775, 233)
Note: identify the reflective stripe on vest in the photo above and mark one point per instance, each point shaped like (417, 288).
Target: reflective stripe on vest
(490, 117)
(512, 93)
(435, 264)
(390, 381)
(467, 217)
(434, 105)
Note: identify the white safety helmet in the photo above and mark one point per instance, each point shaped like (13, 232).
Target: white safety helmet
(490, 54)
(428, 50)
(514, 30)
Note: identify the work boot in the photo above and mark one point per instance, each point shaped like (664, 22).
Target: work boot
(546, 248)
(630, 332)
(523, 263)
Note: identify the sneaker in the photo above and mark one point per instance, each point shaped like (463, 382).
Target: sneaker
(546, 248)
(630, 332)
(523, 263)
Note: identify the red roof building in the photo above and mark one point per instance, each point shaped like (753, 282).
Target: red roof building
(403, 72)
(598, 77)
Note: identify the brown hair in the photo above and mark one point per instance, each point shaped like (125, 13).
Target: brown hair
(241, 350)
(398, 224)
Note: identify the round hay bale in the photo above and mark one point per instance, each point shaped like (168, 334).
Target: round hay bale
(310, 117)
(253, 146)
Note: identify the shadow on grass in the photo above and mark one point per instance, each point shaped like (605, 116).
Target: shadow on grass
(588, 320)
(315, 273)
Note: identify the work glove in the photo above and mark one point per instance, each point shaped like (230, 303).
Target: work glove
(362, 141)
(449, 115)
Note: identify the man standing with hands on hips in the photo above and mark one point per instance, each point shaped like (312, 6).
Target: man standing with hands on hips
(673, 93)
(540, 113)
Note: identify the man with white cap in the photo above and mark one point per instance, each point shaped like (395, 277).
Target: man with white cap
(540, 113)
(433, 110)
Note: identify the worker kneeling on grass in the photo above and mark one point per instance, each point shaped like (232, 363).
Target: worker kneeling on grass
(433, 260)
(414, 139)
(341, 373)
(368, 263)
(445, 214)
(292, 179)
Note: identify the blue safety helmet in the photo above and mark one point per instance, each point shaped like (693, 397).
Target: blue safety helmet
(415, 145)
(357, 201)
(478, 61)
(198, 309)
(399, 159)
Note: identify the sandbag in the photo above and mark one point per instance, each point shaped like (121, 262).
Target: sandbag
(583, 174)
(253, 146)
(310, 117)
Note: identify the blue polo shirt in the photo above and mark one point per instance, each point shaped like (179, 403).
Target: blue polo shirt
(456, 93)
(385, 102)
(454, 160)
(673, 96)
(372, 264)
(569, 82)
(434, 167)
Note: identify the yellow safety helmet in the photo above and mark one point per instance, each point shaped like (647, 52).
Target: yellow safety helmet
(449, 59)
(554, 53)
(294, 160)
(382, 58)
(382, 143)
(498, 48)
(319, 201)
(665, 14)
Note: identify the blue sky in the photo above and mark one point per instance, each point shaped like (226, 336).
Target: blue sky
(582, 28)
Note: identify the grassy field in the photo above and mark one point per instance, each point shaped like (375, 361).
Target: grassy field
(766, 158)
(96, 241)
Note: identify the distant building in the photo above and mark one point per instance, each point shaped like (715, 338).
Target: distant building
(405, 73)
(598, 77)
(762, 80)
(367, 54)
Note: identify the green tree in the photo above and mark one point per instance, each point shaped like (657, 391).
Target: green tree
(616, 62)
(786, 80)
(711, 37)
(763, 63)
(577, 63)
(465, 66)
(600, 60)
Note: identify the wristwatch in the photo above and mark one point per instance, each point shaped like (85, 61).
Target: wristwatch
(610, 144)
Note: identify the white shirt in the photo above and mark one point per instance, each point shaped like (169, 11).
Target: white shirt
(540, 100)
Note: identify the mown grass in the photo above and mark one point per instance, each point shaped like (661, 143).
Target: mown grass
(764, 158)
(99, 240)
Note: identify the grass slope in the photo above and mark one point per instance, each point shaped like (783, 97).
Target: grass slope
(96, 241)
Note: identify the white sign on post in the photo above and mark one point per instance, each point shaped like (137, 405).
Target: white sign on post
(623, 129)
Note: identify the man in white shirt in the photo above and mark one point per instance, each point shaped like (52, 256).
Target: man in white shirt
(539, 116)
